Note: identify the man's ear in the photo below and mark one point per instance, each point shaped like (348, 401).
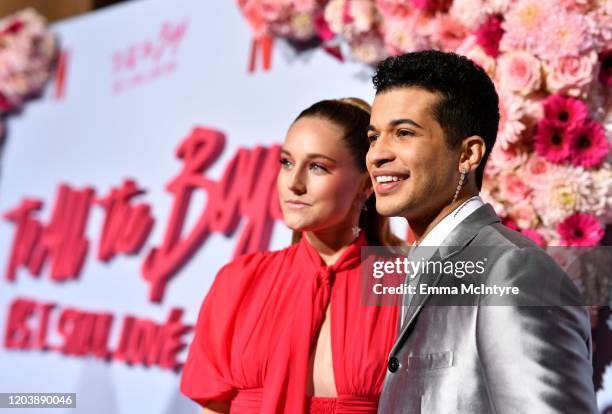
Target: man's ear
(472, 152)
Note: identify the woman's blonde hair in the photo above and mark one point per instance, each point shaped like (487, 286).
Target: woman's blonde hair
(353, 116)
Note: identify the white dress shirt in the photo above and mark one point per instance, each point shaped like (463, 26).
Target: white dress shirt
(436, 236)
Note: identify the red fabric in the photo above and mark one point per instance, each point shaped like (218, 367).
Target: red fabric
(255, 331)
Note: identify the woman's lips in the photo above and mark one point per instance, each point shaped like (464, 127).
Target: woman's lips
(298, 205)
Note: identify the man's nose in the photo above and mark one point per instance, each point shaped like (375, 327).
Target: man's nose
(380, 153)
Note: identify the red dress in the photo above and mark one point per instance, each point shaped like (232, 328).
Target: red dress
(255, 331)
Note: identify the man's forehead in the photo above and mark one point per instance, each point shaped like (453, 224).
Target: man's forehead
(402, 102)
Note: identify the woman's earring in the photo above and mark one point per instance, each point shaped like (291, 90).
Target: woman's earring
(460, 185)
(364, 207)
(356, 230)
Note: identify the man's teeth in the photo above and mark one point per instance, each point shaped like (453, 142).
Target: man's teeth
(387, 178)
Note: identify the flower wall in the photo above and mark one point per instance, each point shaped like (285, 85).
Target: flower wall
(28, 50)
(549, 174)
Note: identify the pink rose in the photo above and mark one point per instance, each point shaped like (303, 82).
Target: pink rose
(446, 32)
(519, 71)
(362, 13)
(536, 171)
(506, 159)
(523, 214)
(571, 74)
(513, 189)
(400, 36)
(368, 49)
(472, 50)
(487, 197)
(394, 9)
(471, 13)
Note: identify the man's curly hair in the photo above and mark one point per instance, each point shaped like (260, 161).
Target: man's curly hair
(468, 103)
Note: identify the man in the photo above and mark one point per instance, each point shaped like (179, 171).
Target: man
(433, 124)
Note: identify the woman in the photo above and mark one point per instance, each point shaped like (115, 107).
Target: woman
(286, 331)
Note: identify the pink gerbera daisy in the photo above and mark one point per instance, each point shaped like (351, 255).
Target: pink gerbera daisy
(508, 222)
(535, 236)
(551, 141)
(432, 5)
(489, 34)
(580, 229)
(569, 112)
(588, 144)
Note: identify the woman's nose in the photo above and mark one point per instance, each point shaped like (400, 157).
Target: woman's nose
(296, 183)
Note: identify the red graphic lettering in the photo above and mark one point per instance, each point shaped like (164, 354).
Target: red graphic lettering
(18, 334)
(247, 189)
(144, 342)
(26, 236)
(147, 60)
(85, 333)
(60, 74)
(198, 152)
(126, 227)
(63, 238)
(40, 342)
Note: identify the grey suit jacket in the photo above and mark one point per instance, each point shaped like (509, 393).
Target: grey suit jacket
(476, 356)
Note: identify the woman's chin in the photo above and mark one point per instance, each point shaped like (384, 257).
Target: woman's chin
(298, 226)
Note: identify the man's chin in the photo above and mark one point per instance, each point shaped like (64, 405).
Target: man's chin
(390, 209)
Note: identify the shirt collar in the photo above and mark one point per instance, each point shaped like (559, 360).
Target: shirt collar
(441, 230)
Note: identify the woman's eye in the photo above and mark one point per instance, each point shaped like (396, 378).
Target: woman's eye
(285, 163)
(318, 168)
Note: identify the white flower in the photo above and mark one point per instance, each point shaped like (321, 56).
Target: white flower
(572, 189)
(471, 13)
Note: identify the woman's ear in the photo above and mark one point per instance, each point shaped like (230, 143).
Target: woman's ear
(366, 188)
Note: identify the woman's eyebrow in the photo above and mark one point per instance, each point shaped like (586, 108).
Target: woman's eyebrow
(310, 156)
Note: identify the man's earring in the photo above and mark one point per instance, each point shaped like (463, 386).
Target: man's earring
(460, 185)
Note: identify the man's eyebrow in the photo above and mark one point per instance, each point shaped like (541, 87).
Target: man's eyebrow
(310, 156)
(397, 122)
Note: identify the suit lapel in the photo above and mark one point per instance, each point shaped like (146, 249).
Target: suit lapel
(460, 237)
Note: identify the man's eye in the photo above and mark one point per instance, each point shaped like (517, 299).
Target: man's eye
(285, 163)
(405, 133)
(372, 138)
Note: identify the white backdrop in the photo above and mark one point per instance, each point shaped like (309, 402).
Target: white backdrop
(99, 136)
